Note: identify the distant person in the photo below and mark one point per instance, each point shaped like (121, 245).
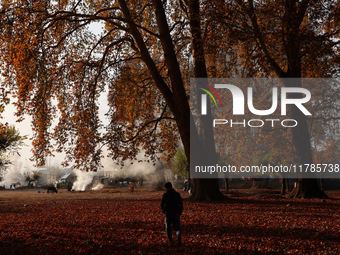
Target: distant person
(132, 187)
(186, 185)
(69, 186)
(172, 207)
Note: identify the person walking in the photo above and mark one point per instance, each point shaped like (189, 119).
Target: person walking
(172, 207)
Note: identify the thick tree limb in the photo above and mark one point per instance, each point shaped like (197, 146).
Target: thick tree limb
(145, 55)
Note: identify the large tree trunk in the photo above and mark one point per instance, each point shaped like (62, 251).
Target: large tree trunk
(206, 190)
(306, 188)
(260, 183)
(303, 188)
(284, 186)
(226, 185)
(321, 185)
(203, 189)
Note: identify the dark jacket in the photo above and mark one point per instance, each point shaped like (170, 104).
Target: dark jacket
(172, 203)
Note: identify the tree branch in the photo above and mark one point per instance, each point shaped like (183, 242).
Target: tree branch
(251, 13)
(145, 55)
(156, 121)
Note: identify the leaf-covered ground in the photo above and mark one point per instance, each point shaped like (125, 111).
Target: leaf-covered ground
(107, 222)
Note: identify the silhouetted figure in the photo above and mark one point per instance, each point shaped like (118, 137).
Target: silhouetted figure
(69, 186)
(172, 207)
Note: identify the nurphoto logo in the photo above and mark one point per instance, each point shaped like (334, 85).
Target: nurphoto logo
(238, 104)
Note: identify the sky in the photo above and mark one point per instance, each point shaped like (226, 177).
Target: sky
(25, 129)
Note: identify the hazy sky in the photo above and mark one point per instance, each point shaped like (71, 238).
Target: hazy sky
(25, 128)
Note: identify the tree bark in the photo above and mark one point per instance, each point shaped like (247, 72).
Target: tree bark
(226, 186)
(284, 186)
(303, 188)
(321, 185)
(259, 184)
(204, 189)
(306, 188)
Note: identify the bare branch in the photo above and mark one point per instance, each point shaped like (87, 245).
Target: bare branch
(156, 121)
(68, 34)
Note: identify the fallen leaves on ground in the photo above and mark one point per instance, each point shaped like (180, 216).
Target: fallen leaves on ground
(121, 223)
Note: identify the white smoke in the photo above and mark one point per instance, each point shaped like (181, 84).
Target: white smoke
(98, 186)
(151, 174)
(131, 168)
(135, 168)
(13, 174)
(83, 180)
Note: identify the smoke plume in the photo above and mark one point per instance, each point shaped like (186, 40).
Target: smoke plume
(98, 186)
(84, 179)
(13, 174)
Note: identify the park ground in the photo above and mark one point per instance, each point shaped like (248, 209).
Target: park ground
(113, 221)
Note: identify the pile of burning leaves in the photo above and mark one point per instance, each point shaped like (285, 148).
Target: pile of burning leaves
(134, 224)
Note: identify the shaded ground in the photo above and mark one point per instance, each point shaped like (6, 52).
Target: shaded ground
(116, 222)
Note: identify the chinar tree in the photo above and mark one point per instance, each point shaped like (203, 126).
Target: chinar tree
(285, 39)
(50, 52)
